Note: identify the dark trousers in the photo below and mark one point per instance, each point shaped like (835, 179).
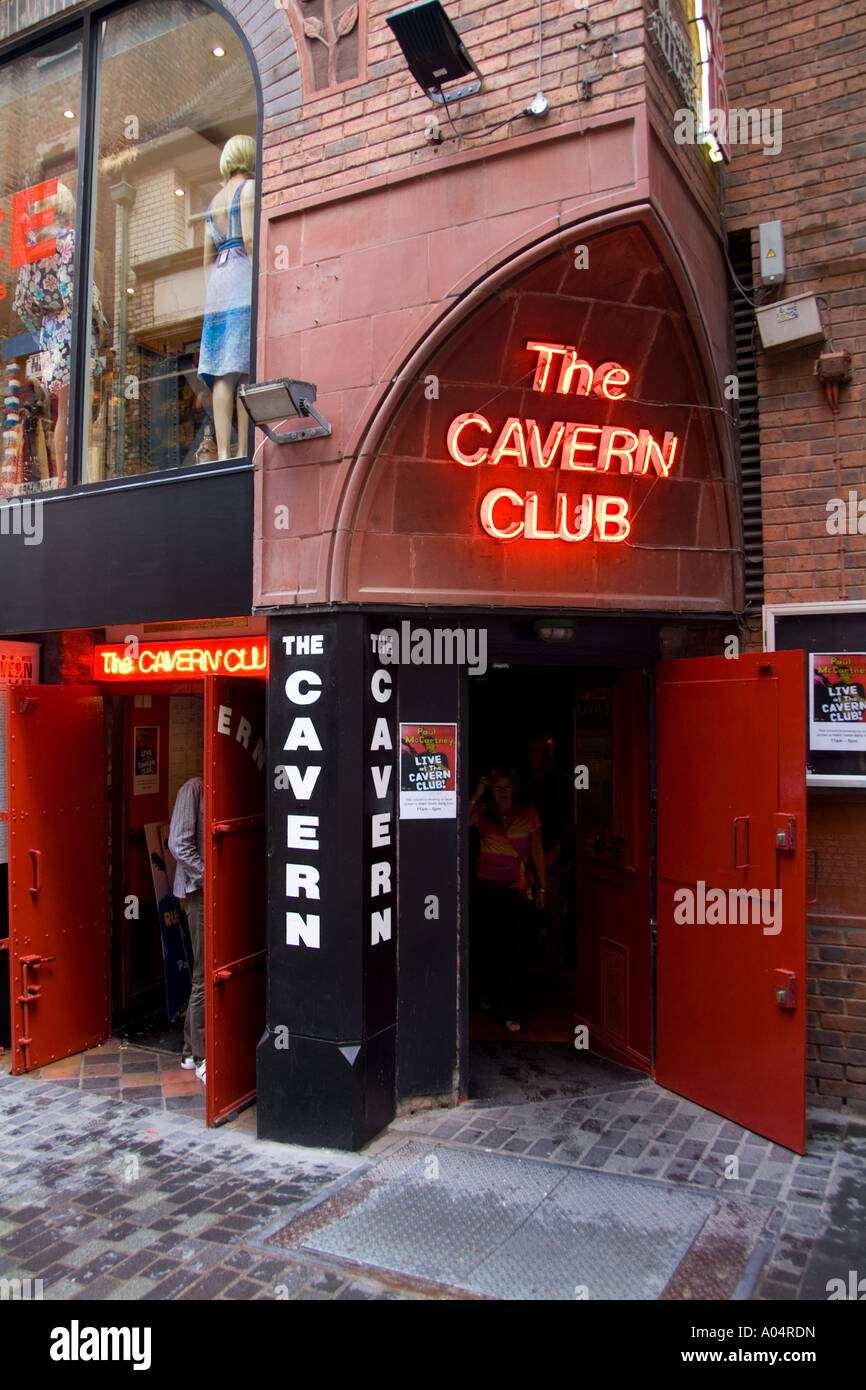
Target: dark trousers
(193, 1028)
(502, 938)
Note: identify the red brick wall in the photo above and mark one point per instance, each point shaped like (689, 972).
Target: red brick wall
(810, 62)
(376, 128)
(836, 1048)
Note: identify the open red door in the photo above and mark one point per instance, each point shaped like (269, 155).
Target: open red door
(235, 891)
(731, 994)
(59, 941)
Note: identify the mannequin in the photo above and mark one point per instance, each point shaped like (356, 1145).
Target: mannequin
(224, 358)
(43, 302)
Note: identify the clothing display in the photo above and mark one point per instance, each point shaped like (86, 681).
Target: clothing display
(43, 303)
(225, 341)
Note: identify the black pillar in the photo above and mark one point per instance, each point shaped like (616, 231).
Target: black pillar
(326, 1063)
(428, 948)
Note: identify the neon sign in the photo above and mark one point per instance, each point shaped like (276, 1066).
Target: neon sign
(712, 90)
(242, 656)
(572, 446)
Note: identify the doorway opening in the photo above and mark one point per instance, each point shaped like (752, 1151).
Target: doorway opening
(96, 946)
(154, 744)
(574, 742)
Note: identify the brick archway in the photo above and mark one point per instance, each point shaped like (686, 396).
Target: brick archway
(408, 526)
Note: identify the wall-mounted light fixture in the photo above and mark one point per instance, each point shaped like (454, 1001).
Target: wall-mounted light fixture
(434, 51)
(283, 399)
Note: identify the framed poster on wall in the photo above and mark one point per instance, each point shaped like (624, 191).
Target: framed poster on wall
(833, 636)
(428, 771)
(146, 755)
(837, 701)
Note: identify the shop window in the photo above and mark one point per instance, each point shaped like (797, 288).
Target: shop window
(168, 225)
(40, 107)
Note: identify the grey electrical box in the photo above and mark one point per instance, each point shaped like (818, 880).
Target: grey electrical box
(772, 245)
(790, 322)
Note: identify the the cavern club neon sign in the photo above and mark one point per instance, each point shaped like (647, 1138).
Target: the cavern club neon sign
(570, 446)
(239, 656)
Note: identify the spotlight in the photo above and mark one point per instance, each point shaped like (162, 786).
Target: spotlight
(434, 51)
(283, 399)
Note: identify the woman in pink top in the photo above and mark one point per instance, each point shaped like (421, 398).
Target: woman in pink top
(511, 870)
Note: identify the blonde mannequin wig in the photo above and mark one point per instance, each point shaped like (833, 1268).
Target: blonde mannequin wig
(238, 156)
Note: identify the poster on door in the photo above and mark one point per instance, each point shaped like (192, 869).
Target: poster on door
(173, 929)
(837, 701)
(428, 771)
(145, 780)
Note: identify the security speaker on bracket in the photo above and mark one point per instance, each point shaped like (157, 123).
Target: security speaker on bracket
(434, 51)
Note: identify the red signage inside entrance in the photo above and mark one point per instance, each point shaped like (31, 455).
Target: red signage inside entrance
(238, 656)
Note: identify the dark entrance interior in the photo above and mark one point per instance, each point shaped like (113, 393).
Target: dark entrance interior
(154, 743)
(83, 926)
(587, 956)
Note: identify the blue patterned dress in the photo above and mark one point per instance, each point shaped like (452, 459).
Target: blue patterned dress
(225, 338)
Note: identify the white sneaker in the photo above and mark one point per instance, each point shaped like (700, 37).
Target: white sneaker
(200, 1071)
(187, 1062)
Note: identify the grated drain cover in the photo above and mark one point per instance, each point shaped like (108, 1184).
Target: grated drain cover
(515, 1228)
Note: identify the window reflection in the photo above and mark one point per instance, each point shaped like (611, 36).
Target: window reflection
(174, 223)
(40, 97)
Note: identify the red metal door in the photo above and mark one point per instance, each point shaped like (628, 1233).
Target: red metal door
(731, 1020)
(234, 890)
(613, 878)
(59, 949)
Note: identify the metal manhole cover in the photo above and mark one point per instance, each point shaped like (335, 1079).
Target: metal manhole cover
(516, 1228)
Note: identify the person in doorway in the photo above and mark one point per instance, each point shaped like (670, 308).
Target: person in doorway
(512, 876)
(186, 842)
(224, 356)
(550, 792)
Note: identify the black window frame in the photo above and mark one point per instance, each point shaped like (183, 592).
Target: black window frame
(85, 22)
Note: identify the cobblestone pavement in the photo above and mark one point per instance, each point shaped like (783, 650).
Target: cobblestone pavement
(107, 1200)
(103, 1199)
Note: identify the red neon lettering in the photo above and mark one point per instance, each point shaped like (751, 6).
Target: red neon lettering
(242, 655)
(571, 447)
(531, 530)
(608, 449)
(571, 363)
(582, 515)
(546, 352)
(648, 451)
(25, 221)
(499, 533)
(611, 374)
(503, 449)
(543, 458)
(611, 511)
(455, 430)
